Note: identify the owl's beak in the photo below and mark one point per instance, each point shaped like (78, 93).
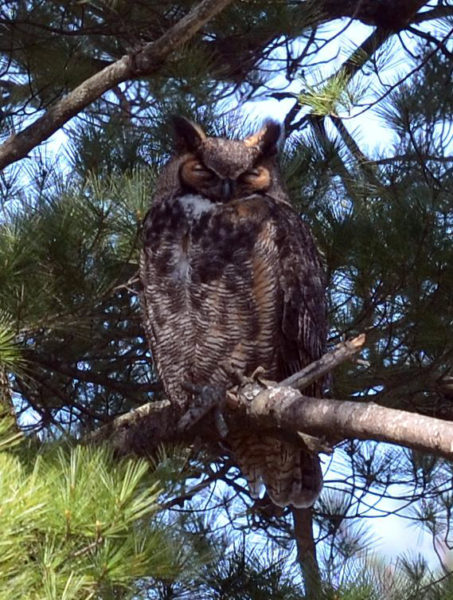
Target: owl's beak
(228, 188)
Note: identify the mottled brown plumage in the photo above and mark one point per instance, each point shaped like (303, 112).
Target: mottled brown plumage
(232, 279)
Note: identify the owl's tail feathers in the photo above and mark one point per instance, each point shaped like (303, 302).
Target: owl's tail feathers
(292, 475)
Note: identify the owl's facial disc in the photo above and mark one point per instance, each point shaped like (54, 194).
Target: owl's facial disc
(220, 188)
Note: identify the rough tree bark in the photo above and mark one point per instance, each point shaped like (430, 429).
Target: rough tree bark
(306, 551)
(285, 410)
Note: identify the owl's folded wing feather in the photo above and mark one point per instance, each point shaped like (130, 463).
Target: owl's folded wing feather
(304, 321)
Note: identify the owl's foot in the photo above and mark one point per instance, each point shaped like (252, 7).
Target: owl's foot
(206, 398)
(256, 377)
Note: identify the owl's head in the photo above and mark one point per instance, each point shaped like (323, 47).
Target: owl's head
(222, 169)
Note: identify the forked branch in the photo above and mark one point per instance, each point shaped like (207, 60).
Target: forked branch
(284, 408)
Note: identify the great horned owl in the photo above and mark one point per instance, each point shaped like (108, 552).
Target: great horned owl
(231, 278)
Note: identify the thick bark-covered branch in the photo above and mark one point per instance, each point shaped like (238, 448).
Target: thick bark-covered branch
(386, 14)
(285, 411)
(144, 62)
(306, 551)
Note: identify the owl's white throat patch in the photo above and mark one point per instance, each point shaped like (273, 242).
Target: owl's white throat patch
(195, 206)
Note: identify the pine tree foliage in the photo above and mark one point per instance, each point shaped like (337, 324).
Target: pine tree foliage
(76, 523)
(64, 258)
(331, 96)
(72, 350)
(9, 350)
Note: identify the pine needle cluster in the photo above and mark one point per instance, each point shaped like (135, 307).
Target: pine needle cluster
(78, 523)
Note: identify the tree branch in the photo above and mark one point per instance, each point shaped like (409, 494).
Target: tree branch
(144, 62)
(315, 370)
(287, 409)
(306, 551)
(283, 409)
(439, 12)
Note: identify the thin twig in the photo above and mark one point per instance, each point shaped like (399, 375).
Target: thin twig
(315, 370)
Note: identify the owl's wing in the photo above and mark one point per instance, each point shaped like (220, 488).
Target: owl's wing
(288, 285)
(302, 280)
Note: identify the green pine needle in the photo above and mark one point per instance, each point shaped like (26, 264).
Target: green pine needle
(329, 97)
(10, 355)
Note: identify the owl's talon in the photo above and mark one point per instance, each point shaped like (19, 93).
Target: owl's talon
(198, 392)
(235, 376)
(238, 377)
(257, 372)
(257, 376)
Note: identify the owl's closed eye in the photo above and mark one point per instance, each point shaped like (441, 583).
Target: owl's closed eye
(199, 178)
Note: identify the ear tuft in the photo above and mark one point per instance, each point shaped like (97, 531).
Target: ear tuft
(266, 138)
(188, 135)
